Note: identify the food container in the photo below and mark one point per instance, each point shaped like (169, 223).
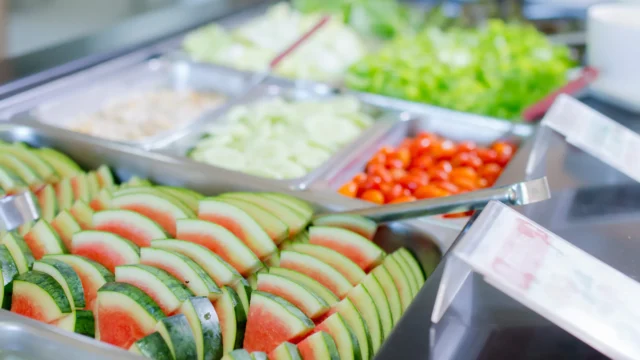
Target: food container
(127, 161)
(61, 102)
(181, 144)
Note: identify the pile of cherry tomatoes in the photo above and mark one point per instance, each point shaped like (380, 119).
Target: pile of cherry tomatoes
(428, 166)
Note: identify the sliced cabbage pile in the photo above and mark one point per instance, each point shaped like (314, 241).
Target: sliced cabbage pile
(282, 140)
(324, 57)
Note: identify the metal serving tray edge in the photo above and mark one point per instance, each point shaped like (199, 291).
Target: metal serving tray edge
(425, 240)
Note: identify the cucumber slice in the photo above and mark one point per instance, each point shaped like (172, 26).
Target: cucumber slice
(240, 224)
(273, 226)
(39, 296)
(319, 346)
(205, 327)
(79, 321)
(167, 291)
(31, 159)
(66, 277)
(9, 272)
(343, 264)
(176, 332)
(304, 299)
(189, 197)
(65, 226)
(182, 268)
(295, 220)
(10, 182)
(43, 240)
(346, 341)
(19, 251)
(48, 202)
(390, 291)
(400, 280)
(367, 308)
(414, 286)
(63, 165)
(296, 204)
(153, 347)
(83, 214)
(285, 351)
(376, 291)
(26, 173)
(356, 323)
(238, 354)
(108, 249)
(105, 177)
(233, 319)
(308, 282)
(64, 194)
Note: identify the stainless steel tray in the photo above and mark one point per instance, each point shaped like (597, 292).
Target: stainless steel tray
(426, 241)
(59, 102)
(180, 143)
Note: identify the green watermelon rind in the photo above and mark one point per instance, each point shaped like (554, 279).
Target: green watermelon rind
(10, 181)
(23, 153)
(141, 223)
(414, 265)
(343, 264)
(188, 197)
(148, 190)
(153, 347)
(401, 280)
(390, 291)
(19, 251)
(24, 171)
(48, 290)
(355, 223)
(61, 163)
(65, 226)
(285, 351)
(328, 350)
(205, 326)
(79, 321)
(176, 332)
(367, 308)
(66, 277)
(46, 237)
(372, 285)
(358, 246)
(306, 300)
(272, 225)
(294, 203)
(230, 308)
(310, 283)
(341, 285)
(9, 273)
(353, 318)
(48, 202)
(128, 251)
(237, 354)
(105, 177)
(346, 341)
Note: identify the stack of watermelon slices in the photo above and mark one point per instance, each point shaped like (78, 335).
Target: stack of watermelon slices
(168, 273)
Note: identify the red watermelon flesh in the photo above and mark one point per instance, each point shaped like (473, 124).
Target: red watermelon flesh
(117, 327)
(320, 346)
(103, 253)
(24, 306)
(98, 204)
(324, 274)
(37, 249)
(166, 221)
(136, 236)
(227, 223)
(359, 249)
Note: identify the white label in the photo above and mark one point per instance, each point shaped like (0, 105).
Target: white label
(596, 134)
(571, 288)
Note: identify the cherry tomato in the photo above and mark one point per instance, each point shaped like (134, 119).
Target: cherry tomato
(438, 175)
(349, 189)
(503, 159)
(430, 191)
(490, 171)
(394, 162)
(382, 172)
(412, 182)
(443, 150)
(466, 159)
(487, 155)
(378, 158)
(397, 174)
(444, 165)
(423, 162)
(467, 146)
(465, 183)
(482, 183)
(359, 178)
(406, 143)
(451, 188)
(502, 147)
(374, 196)
(459, 215)
(372, 183)
(403, 199)
(427, 135)
(421, 174)
(464, 172)
(405, 156)
(421, 145)
(392, 192)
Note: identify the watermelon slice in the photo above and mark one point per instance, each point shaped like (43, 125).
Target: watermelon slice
(83, 214)
(345, 339)
(124, 314)
(64, 194)
(183, 269)
(285, 351)
(358, 224)
(65, 226)
(39, 296)
(152, 346)
(316, 269)
(372, 285)
(108, 249)
(43, 240)
(92, 275)
(188, 197)
(29, 157)
(259, 355)
(319, 346)
(152, 190)
(92, 182)
(293, 219)
(273, 320)
(80, 187)
(19, 251)
(343, 264)
(105, 177)
(401, 281)
(61, 163)
(275, 228)
(317, 288)
(390, 292)
(221, 241)
(358, 326)
(304, 299)
(296, 204)
(25, 228)
(163, 210)
(48, 202)
(238, 354)
(10, 182)
(205, 327)
(357, 248)
(9, 272)
(66, 277)
(79, 321)
(414, 285)
(130, 225)
(176, 332)
(24, 171)
(233, 318)
(413, 265)
(367, 308)
(167, 291)
(240, 224)
(102, 201)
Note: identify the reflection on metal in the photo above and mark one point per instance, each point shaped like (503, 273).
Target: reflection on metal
(17, 210)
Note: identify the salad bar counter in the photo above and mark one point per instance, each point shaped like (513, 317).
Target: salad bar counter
(188, 211)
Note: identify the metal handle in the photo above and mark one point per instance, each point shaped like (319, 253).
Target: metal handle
(17, 210)
(515, 194)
